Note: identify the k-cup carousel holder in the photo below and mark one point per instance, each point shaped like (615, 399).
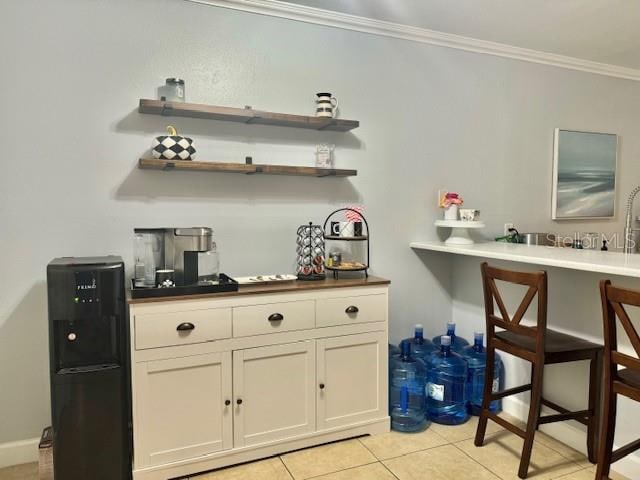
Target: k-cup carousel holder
(310, 252)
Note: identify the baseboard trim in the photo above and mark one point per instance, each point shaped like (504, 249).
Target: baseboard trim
(572, 434)
(319, 16)
(16, 453)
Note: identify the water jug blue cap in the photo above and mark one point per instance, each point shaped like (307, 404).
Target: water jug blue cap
(445, 340)
(405, 348)
(451, 325)
(478, 335)
(419, 333)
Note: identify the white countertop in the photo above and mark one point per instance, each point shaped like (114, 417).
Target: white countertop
(614, 263)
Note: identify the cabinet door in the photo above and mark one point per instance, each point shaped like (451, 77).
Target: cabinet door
(352, 379)
(180, 408)
(274, 392)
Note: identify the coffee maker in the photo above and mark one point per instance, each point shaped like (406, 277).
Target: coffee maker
(178, 249)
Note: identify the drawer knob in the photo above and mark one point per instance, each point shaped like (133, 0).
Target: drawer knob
(239, 401)
(185, 327)
(276, 317)
(321, 386)
(227, 402)
(352, 309)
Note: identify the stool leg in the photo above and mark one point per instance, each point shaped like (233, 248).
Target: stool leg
(541, 396)
(534, 415)
(608, 428)
(595, 381)
(486, 396)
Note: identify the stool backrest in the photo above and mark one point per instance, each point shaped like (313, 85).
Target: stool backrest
(537, 283)
(613, 301)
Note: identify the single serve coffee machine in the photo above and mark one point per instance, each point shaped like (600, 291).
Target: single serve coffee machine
(183, 259)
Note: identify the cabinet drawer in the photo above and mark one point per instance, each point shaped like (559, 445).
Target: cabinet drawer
(273, 318)
(167, 329)
(346, 310)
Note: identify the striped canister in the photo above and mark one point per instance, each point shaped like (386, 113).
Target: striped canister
(326, 105)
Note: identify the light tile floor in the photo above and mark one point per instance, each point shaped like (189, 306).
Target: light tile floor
(439, 453)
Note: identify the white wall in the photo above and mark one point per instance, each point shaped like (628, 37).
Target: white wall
(431, 117)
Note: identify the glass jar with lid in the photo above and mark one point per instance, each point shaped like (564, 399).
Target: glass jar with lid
(172, 91)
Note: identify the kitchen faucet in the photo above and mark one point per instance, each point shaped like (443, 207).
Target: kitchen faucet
(628, 231)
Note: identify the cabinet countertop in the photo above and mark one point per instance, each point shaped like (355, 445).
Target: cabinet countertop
(295, 286)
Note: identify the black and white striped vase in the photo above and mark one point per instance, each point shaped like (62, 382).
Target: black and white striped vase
(326, 105)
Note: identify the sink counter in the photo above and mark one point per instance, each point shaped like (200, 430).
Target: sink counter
(282, 287)
(613, 263)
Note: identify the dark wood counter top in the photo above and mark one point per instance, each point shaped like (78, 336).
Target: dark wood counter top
(295, 286)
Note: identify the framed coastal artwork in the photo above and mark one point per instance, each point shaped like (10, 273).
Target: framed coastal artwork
(584, 174)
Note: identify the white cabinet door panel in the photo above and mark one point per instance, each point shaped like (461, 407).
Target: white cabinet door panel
(352, 370)
(180, 407)
(276, 388)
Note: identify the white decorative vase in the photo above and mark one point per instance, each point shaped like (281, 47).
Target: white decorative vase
(451, 212)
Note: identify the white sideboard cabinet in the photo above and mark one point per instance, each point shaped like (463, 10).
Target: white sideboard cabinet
(228, 378)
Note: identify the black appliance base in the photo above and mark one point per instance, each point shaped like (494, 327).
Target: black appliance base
(225, 284)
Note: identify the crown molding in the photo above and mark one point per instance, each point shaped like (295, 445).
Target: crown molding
(302, 13)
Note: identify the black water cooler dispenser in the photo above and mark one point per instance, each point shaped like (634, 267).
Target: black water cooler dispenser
(88, 350)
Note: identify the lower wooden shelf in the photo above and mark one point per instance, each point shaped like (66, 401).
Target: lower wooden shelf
(248, 169)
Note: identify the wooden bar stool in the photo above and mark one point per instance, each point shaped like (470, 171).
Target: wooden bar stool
(625, 381)
(540, 346)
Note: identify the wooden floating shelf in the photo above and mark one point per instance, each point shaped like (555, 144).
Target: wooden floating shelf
(244, 115)
(248, 169)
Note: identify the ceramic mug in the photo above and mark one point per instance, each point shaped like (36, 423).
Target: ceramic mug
(165, 278)
(326, 105)
(346, 229)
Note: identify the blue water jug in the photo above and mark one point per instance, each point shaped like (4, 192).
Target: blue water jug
(457, 343)
(476, 357)
(421, 347)
(406, 388)
(446, 382)
(394, 351)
